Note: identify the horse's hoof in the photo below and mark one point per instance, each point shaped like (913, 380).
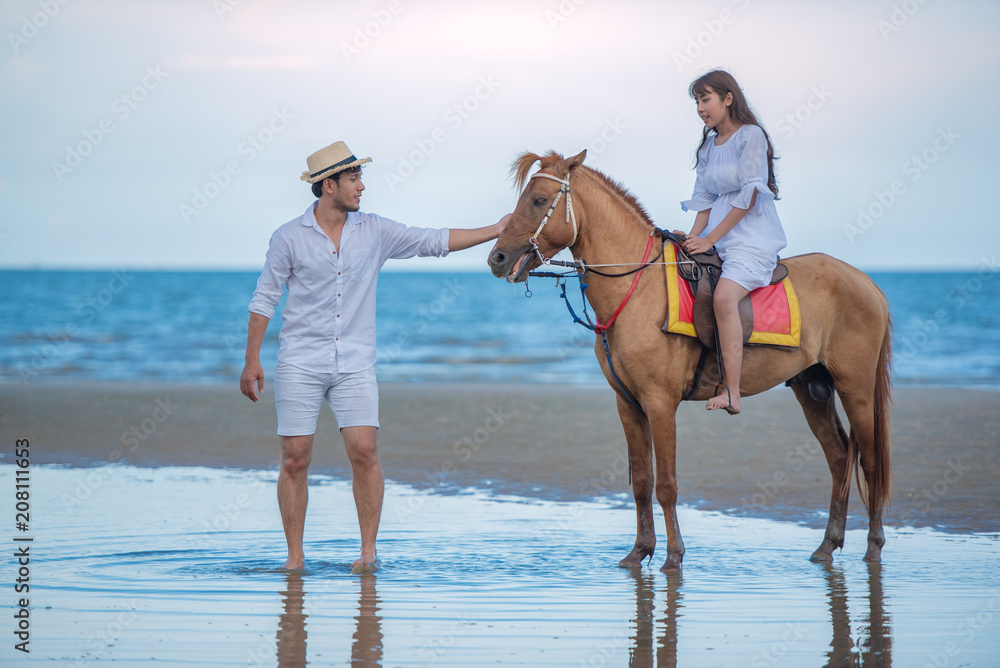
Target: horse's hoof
(672, 565)
(873, 557)
(821, 557)
(635, 557)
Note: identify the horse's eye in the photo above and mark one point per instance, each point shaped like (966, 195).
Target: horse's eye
(540, 201)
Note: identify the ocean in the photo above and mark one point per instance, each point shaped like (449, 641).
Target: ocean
(190, 327)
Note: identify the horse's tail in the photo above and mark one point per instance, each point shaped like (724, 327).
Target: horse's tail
(876, 496)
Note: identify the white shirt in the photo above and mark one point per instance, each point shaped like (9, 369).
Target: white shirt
(328, 323)
(727, 177)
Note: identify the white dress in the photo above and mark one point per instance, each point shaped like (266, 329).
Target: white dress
(727, 176)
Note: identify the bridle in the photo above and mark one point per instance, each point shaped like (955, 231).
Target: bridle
(570, 214)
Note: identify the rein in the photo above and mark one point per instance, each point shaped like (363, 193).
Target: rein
(598, 327)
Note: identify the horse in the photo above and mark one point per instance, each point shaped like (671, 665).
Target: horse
(845, 342)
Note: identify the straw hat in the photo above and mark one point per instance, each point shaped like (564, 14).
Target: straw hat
(328, 161)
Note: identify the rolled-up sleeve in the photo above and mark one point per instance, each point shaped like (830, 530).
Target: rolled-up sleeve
(277, 269)
(752, 170)
(400, 242)
(701, 199)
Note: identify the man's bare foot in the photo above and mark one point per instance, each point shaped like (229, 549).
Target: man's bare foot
(364, 565)
(294, 564)
(726, 402)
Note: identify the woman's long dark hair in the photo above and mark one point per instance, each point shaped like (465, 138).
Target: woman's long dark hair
(722, 82)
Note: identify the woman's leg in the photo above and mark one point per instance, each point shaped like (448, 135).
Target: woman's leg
(727, 317)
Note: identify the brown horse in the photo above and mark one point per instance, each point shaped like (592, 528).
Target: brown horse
(845, 341)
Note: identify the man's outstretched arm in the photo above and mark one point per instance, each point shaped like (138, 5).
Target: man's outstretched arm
(462, 239)
(253, 373)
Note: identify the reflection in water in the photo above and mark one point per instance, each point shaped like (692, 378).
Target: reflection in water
(292, 624)
(874, 641)
(879, 641)
(875, 647)
(641, 654)
(366, 649)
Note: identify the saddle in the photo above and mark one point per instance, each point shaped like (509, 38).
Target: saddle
(703, 273)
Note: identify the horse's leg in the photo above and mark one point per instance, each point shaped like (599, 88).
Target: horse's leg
(866, 401)
(640, 459)
(860, 412)
(826, 426)
(663, 423)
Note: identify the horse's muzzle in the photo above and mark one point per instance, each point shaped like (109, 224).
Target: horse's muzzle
(514, 266)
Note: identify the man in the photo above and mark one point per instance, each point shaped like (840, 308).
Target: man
(329, 258)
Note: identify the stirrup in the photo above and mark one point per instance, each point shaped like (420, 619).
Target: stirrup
(729, 407)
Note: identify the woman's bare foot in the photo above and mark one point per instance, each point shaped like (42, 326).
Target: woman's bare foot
(726, 402)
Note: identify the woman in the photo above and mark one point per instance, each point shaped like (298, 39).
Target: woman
(734, 196)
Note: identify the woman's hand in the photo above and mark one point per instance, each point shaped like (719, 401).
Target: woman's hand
(694, 245)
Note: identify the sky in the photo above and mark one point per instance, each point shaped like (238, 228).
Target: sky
(156, 135)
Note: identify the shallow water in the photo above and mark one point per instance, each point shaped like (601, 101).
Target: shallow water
(180, 565)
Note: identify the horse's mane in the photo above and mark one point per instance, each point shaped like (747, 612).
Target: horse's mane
(522, 165)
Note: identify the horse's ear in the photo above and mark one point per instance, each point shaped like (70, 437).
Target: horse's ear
(576, 161)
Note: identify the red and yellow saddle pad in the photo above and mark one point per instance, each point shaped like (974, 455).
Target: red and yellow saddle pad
(776, 317)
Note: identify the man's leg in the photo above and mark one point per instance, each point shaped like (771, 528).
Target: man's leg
(293, 494)
(368, 486)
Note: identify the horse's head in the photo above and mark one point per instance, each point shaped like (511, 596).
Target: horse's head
(514, 255)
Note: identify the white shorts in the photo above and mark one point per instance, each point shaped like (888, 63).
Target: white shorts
(298, 394)
(748, 270)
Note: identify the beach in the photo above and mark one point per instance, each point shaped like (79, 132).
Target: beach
(155, 535)
(548, 442)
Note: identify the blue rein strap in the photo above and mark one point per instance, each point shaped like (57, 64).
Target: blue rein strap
(589, 324)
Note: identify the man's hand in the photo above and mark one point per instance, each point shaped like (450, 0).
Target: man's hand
(502, 223)
(252, 374)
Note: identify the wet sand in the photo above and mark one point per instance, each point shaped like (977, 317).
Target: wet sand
(548, 442)
(179, 565)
